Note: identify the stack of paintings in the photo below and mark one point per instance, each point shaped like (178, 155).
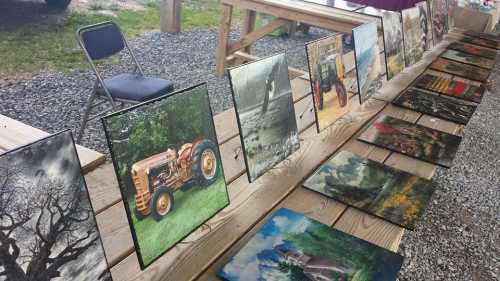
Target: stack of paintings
(461, 69)
(468, 59)
(391, 194)
(450, 87)
(473, 50)
(291, 247)
(413, 140)
(327, 70)
(439, 18)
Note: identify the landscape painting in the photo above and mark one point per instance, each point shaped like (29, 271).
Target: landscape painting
(167, 161)
(450, 87)
(48, 228)
(368, 66)
(473, 50)
(461, 69)
(486, 36)
(468, 59)
(292, 247)
(439, 17)
(264, 106)
(481, 42)
(414, 36)
(375, 188)
(413, 140)
(327, 70)
(438, 106)
(393, 41)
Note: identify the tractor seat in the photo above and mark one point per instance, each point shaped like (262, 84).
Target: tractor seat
(184, 154)
(135, 87)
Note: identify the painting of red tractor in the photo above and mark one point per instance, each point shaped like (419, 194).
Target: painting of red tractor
(169, 169)
(326, 66)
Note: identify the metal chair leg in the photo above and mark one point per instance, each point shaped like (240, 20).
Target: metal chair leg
(88, 108)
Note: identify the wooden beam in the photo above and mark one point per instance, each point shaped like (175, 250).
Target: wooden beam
(170, 15)
(253, 36)
(248, 26)
(224, 29)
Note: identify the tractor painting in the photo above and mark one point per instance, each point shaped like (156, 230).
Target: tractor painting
(331, 74)
(157, 178)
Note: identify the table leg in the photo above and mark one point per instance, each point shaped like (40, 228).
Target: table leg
(224, 29)
(248, 25)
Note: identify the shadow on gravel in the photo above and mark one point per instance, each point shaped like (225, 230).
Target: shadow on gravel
(16, 13)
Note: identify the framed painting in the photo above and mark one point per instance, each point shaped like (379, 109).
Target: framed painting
(439, 18)
(367, 56)
(338, 4)
(468, 59)
(438, 106)
(425, 24)
(413, 35)
(461, 69)
(450, 87)
(474, 50)
(55, 236)
(169, 169)
(263, 101)
(327, 70)
(481, 42)
(372, 187)
(483, 35)
(290, 246)
(413, 140)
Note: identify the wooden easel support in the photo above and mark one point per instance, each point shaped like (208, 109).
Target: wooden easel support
(170, 15)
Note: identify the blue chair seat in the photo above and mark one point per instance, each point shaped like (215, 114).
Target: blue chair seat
(135, 87)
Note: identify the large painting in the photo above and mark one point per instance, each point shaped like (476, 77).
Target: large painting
(437, 106)
(264, 107)
(169, 168)
(414, 140)
(48, 229)
(292, 247)
(414, 36)
(450, 87)
(439, 17)
(368, 67)
(327, 70)
(481, 42)
(375, 188)
(474, 50)
(461, 69)
(468, 59)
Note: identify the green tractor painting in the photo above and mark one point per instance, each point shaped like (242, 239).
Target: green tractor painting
(331, 75)
(157, 178)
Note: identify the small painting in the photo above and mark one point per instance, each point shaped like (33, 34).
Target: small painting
(292, 247)
(414, 140)
(49, 231)
(393, 41)
(438, 106)
(167, 161)
(439, 17)
(338, 4)
(265, 111)
(450, 87)
(375, 188)
(474, 50)
(425, 24)
(481, 42)
(461, 69)
(468, 59)
(368, 66)
(487, 36)
(326, 66)
(414, 36)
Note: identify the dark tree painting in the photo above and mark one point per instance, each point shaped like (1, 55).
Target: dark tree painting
(47, 226)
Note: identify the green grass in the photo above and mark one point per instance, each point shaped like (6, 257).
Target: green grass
(33, 48)
(191, 208)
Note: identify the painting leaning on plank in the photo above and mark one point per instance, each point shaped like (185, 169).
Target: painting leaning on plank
(48, 230)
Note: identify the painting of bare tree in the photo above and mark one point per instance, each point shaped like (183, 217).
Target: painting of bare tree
(47, 227)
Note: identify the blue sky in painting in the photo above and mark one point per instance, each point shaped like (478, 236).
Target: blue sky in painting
(365, 37)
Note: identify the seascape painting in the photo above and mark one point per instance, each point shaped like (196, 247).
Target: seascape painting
(168, 165)
(468, 59)
(413, 140)
(438, 106)
(48, 228)
(461, 69)
(450, 87)
(292, 247)
(368, 66)
(474, 50)
(372, 187)
(481, 42)
(414, 36)
(264, 106)
(439, 18)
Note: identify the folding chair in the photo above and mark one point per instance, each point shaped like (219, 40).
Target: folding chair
(104, 40)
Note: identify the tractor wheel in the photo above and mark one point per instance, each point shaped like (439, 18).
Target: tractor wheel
(139, 215)
(162, 202)
(58, 4)
(205, 163)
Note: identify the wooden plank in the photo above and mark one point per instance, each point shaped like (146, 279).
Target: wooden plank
(14, 134)
(224, 29)
(250, 38)
(103, 187)
(170, 15)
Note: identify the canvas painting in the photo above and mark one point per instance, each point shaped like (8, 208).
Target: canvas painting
(474, 50)
(438, 106)
(292, 247)
(375, 188)
(49, 231)
(450, 87)
(414, 36)
(439, 17)
(167, 161)
(461, 69)
(425, 24)
(264, 106)
(468, 59)
(481, 42)
(368, 67)
(326, 66)
(338, 4)
(486, 36)
(414, 140)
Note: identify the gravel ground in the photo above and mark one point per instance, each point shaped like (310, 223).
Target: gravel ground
(459, 236)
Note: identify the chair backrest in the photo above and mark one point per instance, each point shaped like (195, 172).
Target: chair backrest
(101, 40)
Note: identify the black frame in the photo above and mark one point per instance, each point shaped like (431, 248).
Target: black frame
(84, 181)
(122, 192)
(458, 75)
(243, 149)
